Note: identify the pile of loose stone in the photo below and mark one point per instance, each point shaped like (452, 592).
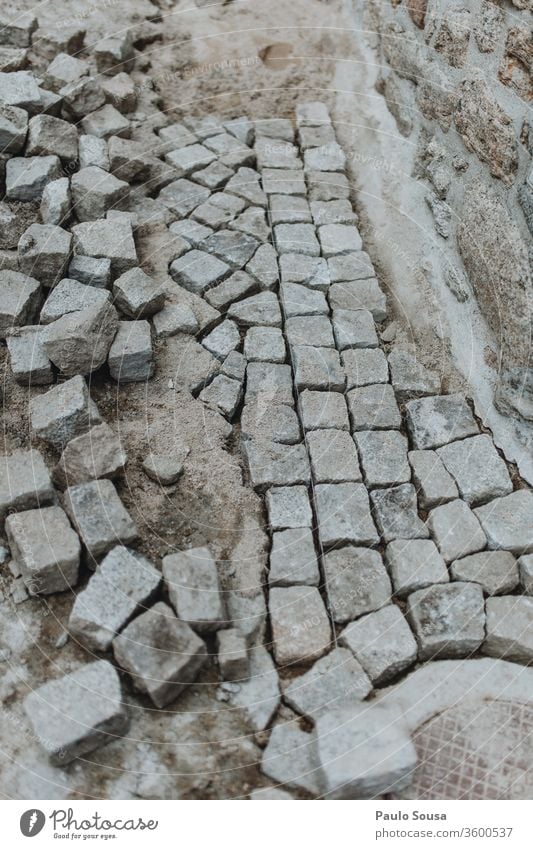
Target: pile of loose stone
(397, 533)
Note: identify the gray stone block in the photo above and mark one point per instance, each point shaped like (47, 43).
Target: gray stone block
(359, 295)
(312, 113)
(182, 196)
(296, 239)
(62, 413)
(95, 191)
(303, 301)
(278, 181)
(333, 680)
(274, 128)
(354, 329)
(344, 516)
(433, 483)
(525, 565)
(29, 363)
(356, 582)
(270, 422)
(64, 70)
(56, 202)
(223, 394)
(106, 122)
(175, 318)
(82, 98)
(373, 408)
(137, 295)
(238, 286)
(263, 266)
(252, 222)
(17, 32)
(333, 212)
(287, 209)
(456, 530)
(95, 454)
(414, 564)
(25, 482)
(232, 655)
(20, 89)
(365, 367)
(19, 298)
(269, 383)
(410, 378)
(264, 344)
(509, 629)
(508, 522)
(44, 252)
(193, 588)
(327, 185)
(288, 507)
(45, 548)
(79, 342)
(27, 176)
(188, 159)
(319, 410)
(130, 356)
(91, 271)
(277, 154)
(313, 330)
(293, 559)
(290, 758)
(301, 631)
(327, 157)
(92, 151)
(495, 571)
(198, 270)
(346, 268)
(234, 248)
(383, 456)
(70, 296)
(262, 309)
(434, 421)
(13, 128)
(333, 457)
(478, 469)
(382, 642)
(310, 271)
(395, 510)
(317, 368)
(448, 620)
(49, 136)
(339, 239)
(99, 516)
(245, 185)
(110, 239)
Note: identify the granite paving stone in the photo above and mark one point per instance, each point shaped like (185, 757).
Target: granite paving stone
(333, 457)
(356, 581)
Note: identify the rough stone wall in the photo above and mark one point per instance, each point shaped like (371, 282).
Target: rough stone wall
(457, 77)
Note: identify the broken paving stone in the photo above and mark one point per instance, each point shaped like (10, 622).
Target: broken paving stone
(262, 309)
(108, 239)
(333, 456)
(296, 239)
(29, 363)
(495, 571)
(276, 464)
(197, 270)
(19, 298)
(130, 356)
(333, 680)
(264, 344)
(223, 339)
(233, 288)
(382, 642)
(508, 522)
(95, 191)
(317, 368)
(137, 295)
(383, 455)
(309, 271)
(13, 128)
(290, 758)
(320, 410)
(46, 549)
(163, 468)
(364, 367)
(78, 713)
(448, 619)
(301, 631)
(439, 419)
(270, 422)
(95, 454)
(409, 377)
(232, 654)
(62, 413)
(71, 296)
(456, 530)
(478, 469)
(161, 654)
(49, 136)
(373, 408)
(99, 516)
(44, 251)
(356, 581)
(91, 271)
(344, 515)
(509, 629)
(25, 482)
(395, 510)
(414, 564)
(79, 342)
(364, 751)
(175, 318)
(434, 484)
(223, 394)
(26, 177)
(194, 590)
(123, 584)
(288, 507)
(56, 202)
(354, 329)
(301, 300)
(293, 559)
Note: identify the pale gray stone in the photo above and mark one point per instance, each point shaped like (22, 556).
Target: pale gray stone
(395, 510)
(525, 565)
(17, 31)
(56, 202)
(79, 712)
(99, 516)
(91, 271)
(194, 590)
(350, 267)
(301, 631)
(92, 151)
(312, 113)
(508, 522)
(110, 239)
(164, 468)
(302, 300)
(175, 318)
(434, 421)
(198, 270)
(82, 98)
(238, 286)
(62, 413)
(175, 136)
(308, 270)
(327, 185)
(226, 146)
(274, 128)
(509, 629)
(286, 209)
(130, 355)
(19, 298)
(64, 70)
(215, 176)
(188, 159)
(232, 654)
(25, 482)
(409, 377)
(383, 455)
(236, 249)
(288, 507)
(276, 154)
(269, 383)
(296, 239)
(192, 231)
(290, 758)
(95, 191)
(382, 642)
(223, 339)
(456, 530)
(182, 196)
(478, 469)
(278, 181)
(44, 252)
(356, 582)
(339, 239)
(333, 680)
(293, 559)
(320, 410)
(241, 128)
(263, 266)
(223, 394)
(122, 585)
(373, 407)
(46, 549)
(106, 122)
(245, 185)
(258, 697)
(495, 571)
(161, 654)
(13, 128)
(344, 515)
(49, 136)
(354, 329)
(252, 222)
(20, 89)
(204, 127)
(121, 91)
(359, 295)
(414, 564)
(262, 309)
(333, 212)
(364, 367)
(71, 296)
(95, 454)
(433, 483)
(29, 363)
(327, 157)
(264, 344)
(234, 366)
(270, 422)
(448, 619)
(333, 457)
(277, 465)
(313, 330)
(79, 342)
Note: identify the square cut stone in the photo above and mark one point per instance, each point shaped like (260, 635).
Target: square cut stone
(414, 564)
(274, 128)
(456, 530)
(288, 507)
(188, 159)
(26, 177)
(509, 629)
(373, 408)
(49, 136)
(105, 122)
(215, 176)
(495, 571)
(326, 157)
(91, 271)
(410, 378)
(198, 270)
(93, 151)
(332, 212)
(320, 410)
(354, 329)
(339, 239)
(14, 129)
(525, 565)
(182, 196)
(356, 582)
(162, 654)
(262, 309)
(232, 654)
(276, 154)
(301, 300)
(271, 423)
(327, 185)
(478, 469)
(296, 239)
(285, 209)
(312, 113)
(175, 318)
(439, 419)
(130, 355)
(317, 368)
(44, 252)
(24, 482)
(433, 483)
(312, 330)
(110, 239)
(276, 464)
(194, 590)
(215, 214)
(264, 344)
(263, 266)
(277, 181)
(383, 456)
(122, 585)
(192, 231)
(344, 516)
(365, 367)
(382, 642)
(78, 713)
(395, 510)
(137, 295)
(252, 223)
(234, 248)
(19, 299)
(29, 362)
(70, 296)
(269, 383)
(359, 295)
(290, 759)
(63, 412)
(223, 394)
(238, 286)
(345, 268)
(333, 680)
(310, 271)
(99, 516)
(301, 631)
(45, 548)
(448, 620)
(95, 454)
(293, 560)
(333, 457)
(508, 522)
(223, 339)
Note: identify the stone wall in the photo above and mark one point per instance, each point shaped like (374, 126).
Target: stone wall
(457, 77)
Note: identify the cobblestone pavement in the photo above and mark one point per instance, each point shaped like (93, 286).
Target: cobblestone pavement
(398, 537)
